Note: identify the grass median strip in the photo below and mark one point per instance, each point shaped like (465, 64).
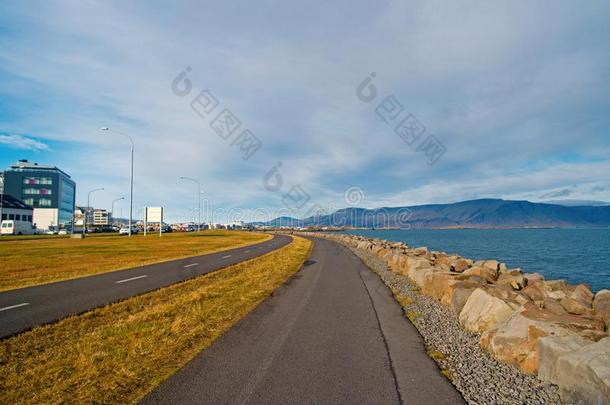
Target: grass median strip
(44, 260)
(119, 353)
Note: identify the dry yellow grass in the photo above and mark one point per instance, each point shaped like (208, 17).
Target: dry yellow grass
(119, 353)
(403, 300)
(39, 261)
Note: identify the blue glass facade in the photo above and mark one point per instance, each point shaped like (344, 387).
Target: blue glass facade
(42, 187)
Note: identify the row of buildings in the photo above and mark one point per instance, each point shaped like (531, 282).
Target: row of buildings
(45, 196)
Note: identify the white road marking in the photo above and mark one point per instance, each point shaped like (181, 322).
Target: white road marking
(247, 251)
(131, 279)
(191, 265)
(226, 257)
(15, 306)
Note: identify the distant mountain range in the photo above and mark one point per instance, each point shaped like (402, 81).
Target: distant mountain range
(573, 203)
(482, 213)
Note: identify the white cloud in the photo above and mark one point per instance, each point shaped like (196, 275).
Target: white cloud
(23, 142)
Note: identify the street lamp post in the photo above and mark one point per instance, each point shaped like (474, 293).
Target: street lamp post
(2, 201)
(87, 208)
(113, 201)
(198, 198)
(131, 175)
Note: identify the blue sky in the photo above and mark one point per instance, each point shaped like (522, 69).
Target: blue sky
(518, 94)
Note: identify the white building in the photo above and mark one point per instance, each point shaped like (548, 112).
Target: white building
(79, 216)
(13, 209)
(100, 217)
(46, 218)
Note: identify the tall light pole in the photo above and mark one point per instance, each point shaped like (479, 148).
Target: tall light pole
(113, 201)
(2, 196)
(198, 198)
(201, 194)
(87, 209)
(131, 176)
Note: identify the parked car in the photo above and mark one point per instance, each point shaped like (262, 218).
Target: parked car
(125, 230)
(12, 227)
(62, 232)
(50, 232)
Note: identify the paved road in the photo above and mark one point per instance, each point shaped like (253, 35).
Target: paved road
(22, 309)
(333, 334)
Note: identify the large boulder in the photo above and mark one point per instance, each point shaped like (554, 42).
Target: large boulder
(491, 265)
(411, 264)
(583, 294)
(484, 272)
(579, 301)
(385, 253)
(553, 306)
(435, 283)
(419, 274)
(364, 245)
(551, 348)
(575, 307)
(601, 306)
(450, 288)
(514, 341)
(568, 321)
(380, 250)
(512, 278)
(396, 261)
(483, 310)
(456, 294)
(452, 262)
(444, 259)
(535, 292)
(461, 264)
(533, 278)
(420, 251)
(582, 371)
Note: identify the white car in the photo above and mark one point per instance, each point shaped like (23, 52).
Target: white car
(62, 232)
(125, 230)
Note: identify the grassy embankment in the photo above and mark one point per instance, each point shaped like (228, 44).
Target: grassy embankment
(119, 353)
(43, 260)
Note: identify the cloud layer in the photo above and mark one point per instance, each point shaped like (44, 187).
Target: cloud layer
(22, 142)
(518, 93)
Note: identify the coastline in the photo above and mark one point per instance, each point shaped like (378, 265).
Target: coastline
(576, 255)
(545, 328)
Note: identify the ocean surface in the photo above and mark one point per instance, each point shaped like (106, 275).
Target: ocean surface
(577, 255)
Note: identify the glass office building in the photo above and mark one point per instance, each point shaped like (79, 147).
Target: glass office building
(42, 187)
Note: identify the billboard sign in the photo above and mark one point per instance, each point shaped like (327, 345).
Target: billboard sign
(154, 214)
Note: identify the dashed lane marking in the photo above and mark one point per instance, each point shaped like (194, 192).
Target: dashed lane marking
(131, 279)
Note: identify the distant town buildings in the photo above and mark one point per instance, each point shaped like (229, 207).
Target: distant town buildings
(100, 217)
(49, 191)
(79, 216)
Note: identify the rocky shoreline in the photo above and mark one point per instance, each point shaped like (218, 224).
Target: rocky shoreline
(501, 335)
